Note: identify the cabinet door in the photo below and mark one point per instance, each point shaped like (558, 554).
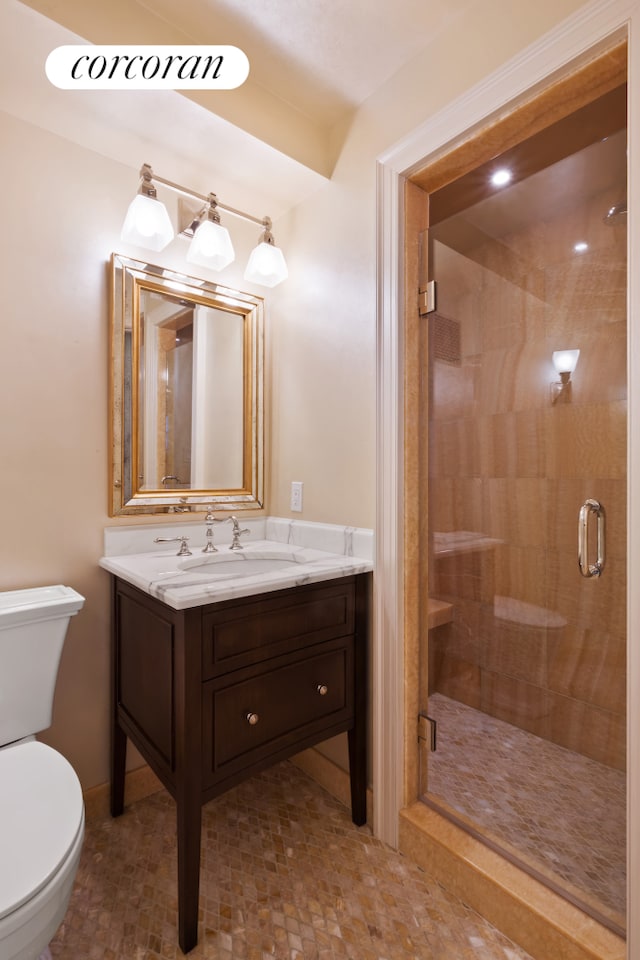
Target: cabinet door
(266, 712)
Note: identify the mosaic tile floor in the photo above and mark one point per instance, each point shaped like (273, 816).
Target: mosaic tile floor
(285, 874)
(564, 811)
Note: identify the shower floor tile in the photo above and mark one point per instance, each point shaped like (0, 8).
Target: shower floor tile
(285, 874)
(564, 813)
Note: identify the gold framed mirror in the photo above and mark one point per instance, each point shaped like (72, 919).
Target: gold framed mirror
(187, 386)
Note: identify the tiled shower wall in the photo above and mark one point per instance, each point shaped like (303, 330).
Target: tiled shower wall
(531, 641)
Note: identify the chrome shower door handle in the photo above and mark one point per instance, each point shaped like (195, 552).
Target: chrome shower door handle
(591, 569)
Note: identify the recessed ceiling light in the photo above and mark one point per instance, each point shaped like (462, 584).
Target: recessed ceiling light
(581, 246)
(501, 177)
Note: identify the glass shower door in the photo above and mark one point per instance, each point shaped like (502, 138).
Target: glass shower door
(524, 672)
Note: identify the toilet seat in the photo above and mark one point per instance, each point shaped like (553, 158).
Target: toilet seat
(41, 817)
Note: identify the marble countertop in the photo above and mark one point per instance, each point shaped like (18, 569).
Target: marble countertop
(261, 566)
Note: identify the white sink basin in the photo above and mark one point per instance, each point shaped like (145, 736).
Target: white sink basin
(162, 567)
(239, 564)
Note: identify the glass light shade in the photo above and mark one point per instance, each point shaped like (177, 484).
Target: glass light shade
(147, 223)
(211, 246)
(266, 265)
(565, 361)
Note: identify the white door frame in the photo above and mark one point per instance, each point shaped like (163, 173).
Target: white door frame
(577, 37)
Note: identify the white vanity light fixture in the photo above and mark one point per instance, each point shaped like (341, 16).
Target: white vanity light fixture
(565, 362)
(266, 264)
(147, 222)
(211, 244)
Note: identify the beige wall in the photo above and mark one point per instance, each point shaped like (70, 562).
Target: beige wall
(60, 221)
(324, 340)
(62, 209)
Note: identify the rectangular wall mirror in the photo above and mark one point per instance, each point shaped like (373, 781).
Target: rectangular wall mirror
(187, 388)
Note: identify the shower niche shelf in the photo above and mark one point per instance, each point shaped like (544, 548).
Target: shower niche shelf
(439, 612)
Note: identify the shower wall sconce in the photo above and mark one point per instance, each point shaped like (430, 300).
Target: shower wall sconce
(147, 224)
(565, 362)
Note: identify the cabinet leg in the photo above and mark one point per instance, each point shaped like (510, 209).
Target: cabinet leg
(118, 763)
(358, 775)
(189, 828)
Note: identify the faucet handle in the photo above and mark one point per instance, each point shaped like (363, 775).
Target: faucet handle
(237, 532)
(236, 525)
(184, 549)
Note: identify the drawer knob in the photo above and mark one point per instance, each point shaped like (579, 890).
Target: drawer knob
(252, 719)
(322, 689)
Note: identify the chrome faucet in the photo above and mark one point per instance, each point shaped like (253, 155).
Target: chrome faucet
(237, 533)
(210, 520)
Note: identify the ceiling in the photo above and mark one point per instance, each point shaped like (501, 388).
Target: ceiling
(598, 171)
(312, 64)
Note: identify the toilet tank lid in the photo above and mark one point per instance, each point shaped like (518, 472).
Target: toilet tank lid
(38, 603)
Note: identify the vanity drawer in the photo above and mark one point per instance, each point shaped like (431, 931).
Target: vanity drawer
(264, 713)
(242, 633)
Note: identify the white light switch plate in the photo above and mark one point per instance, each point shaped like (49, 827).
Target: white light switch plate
(296, 495)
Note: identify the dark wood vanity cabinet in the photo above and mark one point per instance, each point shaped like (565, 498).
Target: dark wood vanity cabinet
(213, 694)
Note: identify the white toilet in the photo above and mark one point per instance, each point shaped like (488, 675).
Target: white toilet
(41, 807)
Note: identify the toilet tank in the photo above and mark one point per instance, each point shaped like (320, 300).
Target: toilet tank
(33, 625)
